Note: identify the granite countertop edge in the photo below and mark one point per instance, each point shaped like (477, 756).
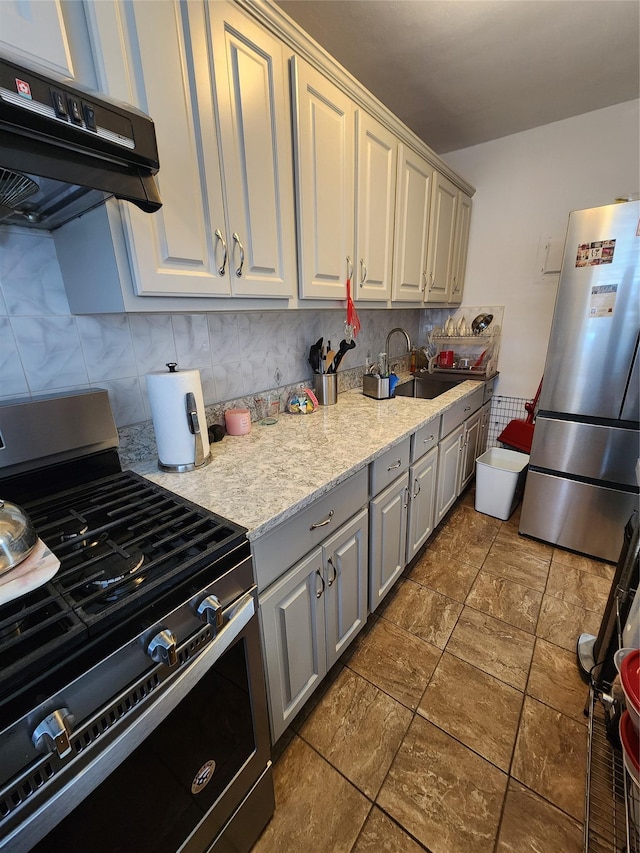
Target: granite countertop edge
(262, 479)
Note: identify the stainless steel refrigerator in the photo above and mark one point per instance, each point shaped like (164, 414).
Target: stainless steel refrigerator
(581, 485)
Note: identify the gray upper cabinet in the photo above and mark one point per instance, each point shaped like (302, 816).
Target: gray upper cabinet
(323, 125)
(376, 166)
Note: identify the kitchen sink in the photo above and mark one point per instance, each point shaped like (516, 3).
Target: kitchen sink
(426, 387)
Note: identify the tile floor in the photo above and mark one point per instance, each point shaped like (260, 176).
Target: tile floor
(454, 723)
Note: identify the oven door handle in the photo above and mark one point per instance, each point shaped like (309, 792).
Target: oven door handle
(71, 794)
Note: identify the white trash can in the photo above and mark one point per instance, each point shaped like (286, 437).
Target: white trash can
(500, 476)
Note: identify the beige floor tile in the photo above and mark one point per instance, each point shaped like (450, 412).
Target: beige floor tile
(358, 729)
(394, 660)
(555, 680)
(580, 587)
(506, 600)
(444, 574)
(444, 794)
(422, 612)
(496, 647)
(316, 808)
(381, 835)
(453, 544)
(475, 708)
(509, 561)
(550, 756)
(508, 535)
(531, 825)
(562, 623)
(584, 564)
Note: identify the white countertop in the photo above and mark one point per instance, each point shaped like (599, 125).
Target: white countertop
(260, 479)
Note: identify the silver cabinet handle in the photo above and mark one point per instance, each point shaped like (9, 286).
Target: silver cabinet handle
(221, 269)
(349, 267)
(467, 408)
(395, 465)
(322, 523)
(427, 440)
(319, 593)
(363, 271)
(236, 239)
(406, 498)
(424, 280)
(416, 493)
(460, 443)
(335, 572)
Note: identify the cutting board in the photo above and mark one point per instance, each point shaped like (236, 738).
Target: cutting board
(39, 567)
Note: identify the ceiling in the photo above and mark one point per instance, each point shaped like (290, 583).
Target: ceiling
(462, 72)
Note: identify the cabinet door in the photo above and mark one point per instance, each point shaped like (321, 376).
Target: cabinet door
(344, 556)
(415, 178)
(449, 460)
(461, 244)
(422, 502)
(387, 543)
(252, 89)
(377, 158)
(142, 58)
(441, 239)
(293, 634)
(36, 32)
(325, 154)
(472, 433)
(484, 428)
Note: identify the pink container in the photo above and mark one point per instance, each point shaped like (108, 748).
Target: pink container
(237, 421)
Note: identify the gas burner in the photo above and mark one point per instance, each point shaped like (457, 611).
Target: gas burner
(117, 574)
(72, 528)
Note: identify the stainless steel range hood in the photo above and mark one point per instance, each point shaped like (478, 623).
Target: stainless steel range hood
(68, 150)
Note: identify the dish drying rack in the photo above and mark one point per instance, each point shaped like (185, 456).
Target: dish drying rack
(480, 351)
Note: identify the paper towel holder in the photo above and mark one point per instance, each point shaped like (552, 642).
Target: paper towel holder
(193, 423)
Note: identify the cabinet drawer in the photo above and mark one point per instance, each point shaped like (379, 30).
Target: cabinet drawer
(390, 465)
(461, 410)
(287, 543)
(425, 438)
(488, 389)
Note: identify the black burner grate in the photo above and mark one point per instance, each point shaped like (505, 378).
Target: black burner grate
(123, 543)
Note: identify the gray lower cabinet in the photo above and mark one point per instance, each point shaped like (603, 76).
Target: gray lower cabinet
(422, 502)
(310, 615)
(470, 448)
(388, 531)
(449, 453)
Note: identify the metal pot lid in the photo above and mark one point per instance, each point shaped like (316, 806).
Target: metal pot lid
(18, 537)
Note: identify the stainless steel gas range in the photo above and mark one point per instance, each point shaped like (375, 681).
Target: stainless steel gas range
(132, 698)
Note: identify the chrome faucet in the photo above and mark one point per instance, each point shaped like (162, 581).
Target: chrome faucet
(406, 335)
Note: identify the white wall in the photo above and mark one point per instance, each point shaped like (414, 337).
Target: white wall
(526, 186)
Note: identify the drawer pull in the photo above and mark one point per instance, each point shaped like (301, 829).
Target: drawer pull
(427, 440)
(335, 572)
(319, 593)
(467, 408)
(395, 465)
(322, 523)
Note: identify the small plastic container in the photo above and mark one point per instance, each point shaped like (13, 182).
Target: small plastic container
(268, 408)
(500, 476)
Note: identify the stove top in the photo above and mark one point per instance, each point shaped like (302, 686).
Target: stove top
(124, 544)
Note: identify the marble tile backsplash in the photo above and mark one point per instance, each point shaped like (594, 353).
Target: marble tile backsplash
(45, 349)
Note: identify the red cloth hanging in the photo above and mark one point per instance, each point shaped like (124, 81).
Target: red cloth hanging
(352, 315)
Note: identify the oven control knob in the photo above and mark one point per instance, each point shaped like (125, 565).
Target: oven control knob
(53, 733)
(209, 610)
(162, 648)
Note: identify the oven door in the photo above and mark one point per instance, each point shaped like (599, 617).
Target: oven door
(189, 764)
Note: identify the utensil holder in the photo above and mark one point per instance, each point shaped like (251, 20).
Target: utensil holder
(375, 386)
(325, 387)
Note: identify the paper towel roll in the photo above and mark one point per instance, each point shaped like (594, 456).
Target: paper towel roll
(168, 400)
